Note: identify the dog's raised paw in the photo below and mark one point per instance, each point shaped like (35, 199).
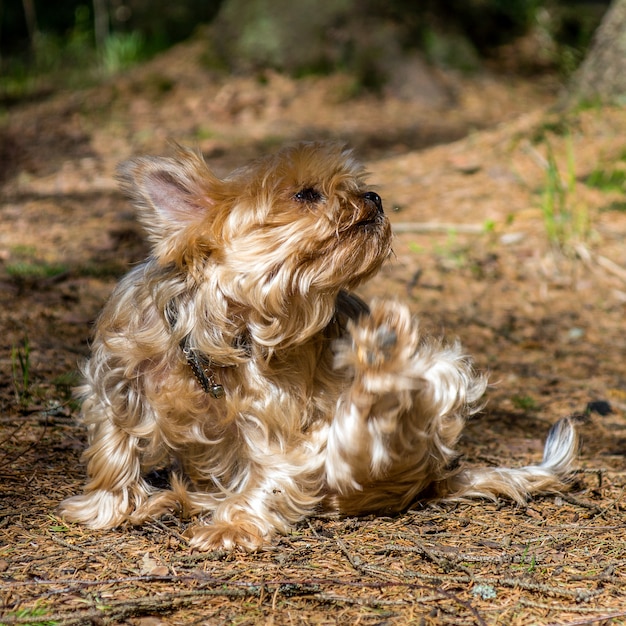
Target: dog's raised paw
(377, 349)
(383, 340)
(386, 338)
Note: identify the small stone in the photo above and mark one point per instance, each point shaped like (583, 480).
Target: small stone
(601, 407)
(486, 592)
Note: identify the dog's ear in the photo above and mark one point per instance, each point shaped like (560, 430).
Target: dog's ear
(174, 198)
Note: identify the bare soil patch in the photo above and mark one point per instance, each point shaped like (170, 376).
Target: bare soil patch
(462, 179)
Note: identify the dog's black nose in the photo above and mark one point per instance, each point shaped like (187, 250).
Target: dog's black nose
(372, 196)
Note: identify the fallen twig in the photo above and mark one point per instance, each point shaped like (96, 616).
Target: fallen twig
(577, 594)
(573, 609)
(438, 227)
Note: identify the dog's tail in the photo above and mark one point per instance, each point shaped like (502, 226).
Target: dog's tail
(550, 476)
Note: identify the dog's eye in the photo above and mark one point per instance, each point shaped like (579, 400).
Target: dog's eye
(309, 195)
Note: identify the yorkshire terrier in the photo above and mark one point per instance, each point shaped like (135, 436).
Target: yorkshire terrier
(237, 355)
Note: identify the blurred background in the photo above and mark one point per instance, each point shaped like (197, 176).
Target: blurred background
(45, 46)
(494, 131)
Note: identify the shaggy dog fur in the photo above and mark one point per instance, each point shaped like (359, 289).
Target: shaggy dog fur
(237, 355)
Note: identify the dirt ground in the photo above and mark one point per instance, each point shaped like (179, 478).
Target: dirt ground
(462, 165)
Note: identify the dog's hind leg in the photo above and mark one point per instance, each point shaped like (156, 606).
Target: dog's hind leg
(406, 406)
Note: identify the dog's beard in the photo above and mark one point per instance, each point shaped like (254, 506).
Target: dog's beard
(283, 298)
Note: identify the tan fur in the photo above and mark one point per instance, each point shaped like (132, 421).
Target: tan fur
(327, 404)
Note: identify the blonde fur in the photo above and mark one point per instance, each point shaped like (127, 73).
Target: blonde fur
(328, 404)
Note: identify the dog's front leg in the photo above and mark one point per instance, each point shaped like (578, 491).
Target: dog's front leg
(115, 487)
(245, 520)
(272, 489)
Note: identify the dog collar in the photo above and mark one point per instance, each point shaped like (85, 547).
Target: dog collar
(199, 363)
(201, 367)
(347, 306)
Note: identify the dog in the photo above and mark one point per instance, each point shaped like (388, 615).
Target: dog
(238, 356)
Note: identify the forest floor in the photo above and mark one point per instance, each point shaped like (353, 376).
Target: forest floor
(468, 168)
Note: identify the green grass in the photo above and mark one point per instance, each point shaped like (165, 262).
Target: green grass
(31, 617)
(609, 178)
(66, 381)
(525, 403)
(25, 265)
(451, 252)
(566, 218)
(25, 270)
(618, 205)
(122, 50)
(20, 369)
(70, 61)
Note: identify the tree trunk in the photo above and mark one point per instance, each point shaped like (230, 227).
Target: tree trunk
(602, 75)
(31, 21)
(101, 24)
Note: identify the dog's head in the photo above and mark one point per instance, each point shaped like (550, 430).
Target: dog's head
(285, 232)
